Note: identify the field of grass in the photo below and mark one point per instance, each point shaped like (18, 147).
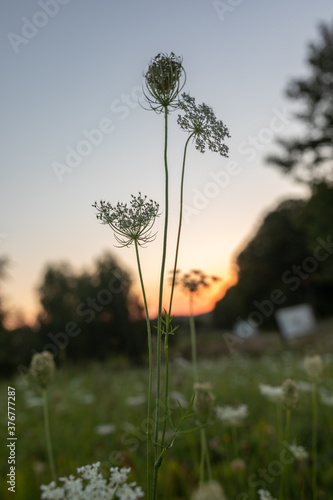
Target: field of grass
(98, 411)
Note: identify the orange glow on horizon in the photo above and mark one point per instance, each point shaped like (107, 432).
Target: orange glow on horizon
(203, 303)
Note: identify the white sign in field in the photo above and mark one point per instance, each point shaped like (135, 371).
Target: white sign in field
(295, 321)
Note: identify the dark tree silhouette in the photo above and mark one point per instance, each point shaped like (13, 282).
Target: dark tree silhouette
(96, 309)
(288, 261)
(309, 157)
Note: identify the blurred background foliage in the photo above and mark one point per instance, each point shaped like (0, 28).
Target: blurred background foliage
(96, 313)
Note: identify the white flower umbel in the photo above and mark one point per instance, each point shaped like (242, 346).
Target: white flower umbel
(202, 124)
(131, 223)
(265, 495)
(299, 452)
(91, 485)
(232, 416)
(272, 393)
(326, 398)
(211, 490)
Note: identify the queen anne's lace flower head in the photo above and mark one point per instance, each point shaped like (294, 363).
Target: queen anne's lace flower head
(299, 452)
(289, 393)
(232, 416)
(194, 281)
(130, 223)
(204, 401)
(313, 366)
(201, 122)
(42, 368)
(164, 81)
(91, 485)
(265, 495)
(212, 490)
(273, 393)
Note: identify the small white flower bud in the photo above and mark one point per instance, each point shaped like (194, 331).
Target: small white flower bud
(42, 368)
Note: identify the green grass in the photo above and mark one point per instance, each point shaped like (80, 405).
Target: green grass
(86, 396)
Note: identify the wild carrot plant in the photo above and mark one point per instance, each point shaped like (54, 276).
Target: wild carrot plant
(163, 83)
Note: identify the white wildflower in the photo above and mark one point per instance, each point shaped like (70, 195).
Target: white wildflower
(93, 486)
(130, 224)
(313, 365)
(326, 398)
(265, 495)
(303, 386)
(135, 400)
(232, 416)
(273, 393)
(209, 491)
(104, 430)
(299, 452)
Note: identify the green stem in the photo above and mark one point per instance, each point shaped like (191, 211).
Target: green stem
(314, 440)
(204, 457)
(166, 398)
(150, 353)
(284, 476)
(48, 435)
(235, 441)
(180, 222)
(159, 318)
(193, 341)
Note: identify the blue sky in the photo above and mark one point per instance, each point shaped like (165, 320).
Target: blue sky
(71, 67)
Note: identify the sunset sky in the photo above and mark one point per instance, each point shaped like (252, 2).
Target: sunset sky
(71, 67)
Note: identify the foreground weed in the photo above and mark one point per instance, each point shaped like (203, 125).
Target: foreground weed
(92, 485)
(41, 370)
(314, 367)
(163, 83)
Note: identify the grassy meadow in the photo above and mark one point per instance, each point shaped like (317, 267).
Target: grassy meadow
(98, 411)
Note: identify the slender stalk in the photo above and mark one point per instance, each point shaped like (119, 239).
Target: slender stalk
(203, 438)
(193, 341)
(180, 222)
(166, 394)
(166, 405)
(314, 440)
(150, 381)
(204, 457)
(159, 318)
(284, 476)
(48, 435)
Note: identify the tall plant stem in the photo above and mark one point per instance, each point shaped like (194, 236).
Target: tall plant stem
(204, 457)
(150, 381)
(48, 435)
(166, 401)
(180, 222)
(159, 318)
(314, 440)
(284, 478)
(203, 438)
(193, 341)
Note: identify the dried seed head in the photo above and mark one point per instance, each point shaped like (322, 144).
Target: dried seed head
(204, 401)
(42, 368)
(164, 80)
(313, 366)
(289, 394)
